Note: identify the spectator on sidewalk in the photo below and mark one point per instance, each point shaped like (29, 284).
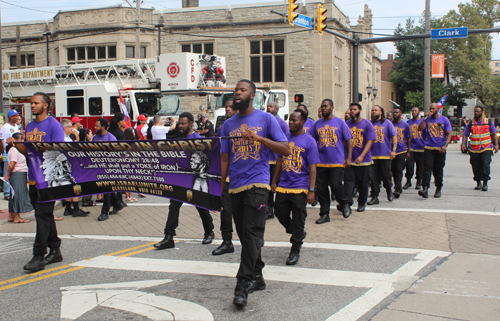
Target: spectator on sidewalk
(6, 132)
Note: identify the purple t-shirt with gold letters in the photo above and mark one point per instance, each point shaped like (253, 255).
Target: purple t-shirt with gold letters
(436, 132)
(403, 131)
(48, 130)
(417, 142)
(330, 136)
(248, 160)
(381, 147)
(362, 132)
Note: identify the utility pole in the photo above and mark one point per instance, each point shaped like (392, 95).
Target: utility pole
(427, 58)
(138, 29)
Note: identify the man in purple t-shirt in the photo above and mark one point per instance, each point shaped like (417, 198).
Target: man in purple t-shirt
(437, 139)
(297, 185)
(416, 151)
(332, 134)
(245, 159)
(108, 199)
(402, 150)
(358, 174)
(43, 129)
(186, 121)
(309, 124)
(273, 109)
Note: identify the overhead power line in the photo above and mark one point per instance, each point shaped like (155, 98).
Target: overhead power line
(15, 5)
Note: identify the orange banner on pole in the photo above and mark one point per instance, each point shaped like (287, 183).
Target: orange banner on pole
(437, 66)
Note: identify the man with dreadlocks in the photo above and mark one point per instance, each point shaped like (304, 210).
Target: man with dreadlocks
(44, 129)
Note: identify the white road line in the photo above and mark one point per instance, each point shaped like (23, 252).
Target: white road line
(272, 272)
(326, 246)
(368, 208)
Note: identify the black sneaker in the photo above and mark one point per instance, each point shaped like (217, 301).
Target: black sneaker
(79, 213)
(68, 212)
(258, 284)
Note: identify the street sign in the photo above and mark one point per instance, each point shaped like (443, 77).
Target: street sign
(449, 33)
(303, 21)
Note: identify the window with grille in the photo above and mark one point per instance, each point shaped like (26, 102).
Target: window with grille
(27, 61)
(201, 48)
(84, 54)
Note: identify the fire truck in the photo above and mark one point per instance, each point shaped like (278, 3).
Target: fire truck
(155, 86)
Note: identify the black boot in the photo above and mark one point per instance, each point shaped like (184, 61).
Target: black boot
(408, 184)
(485, 186)
(424, 192)
(208, 238)
(373, 201)
(437, 194)
(397, 193)
(54, 256)
(419, 184)
(293, 257)
(36, 264)
(323, 219)
(346, 210)
(225, 247)
(241, 293)
(390, 195)
(257, 284)
(478, 187)
(104, 216)
(166, 243)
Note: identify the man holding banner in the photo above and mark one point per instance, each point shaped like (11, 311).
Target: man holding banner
(43, 129)
(245, 159)
(436, 142)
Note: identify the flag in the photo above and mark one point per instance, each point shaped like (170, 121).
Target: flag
(394, 104)
(441, 104)
(124, 110)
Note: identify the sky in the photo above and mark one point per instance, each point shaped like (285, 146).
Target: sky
(387, 14)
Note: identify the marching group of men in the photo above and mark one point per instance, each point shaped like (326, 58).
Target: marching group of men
(330, 156)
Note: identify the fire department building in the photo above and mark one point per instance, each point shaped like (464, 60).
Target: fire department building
(257, 45)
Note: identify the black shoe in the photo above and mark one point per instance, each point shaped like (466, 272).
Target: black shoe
(241, 293)
(478, 187)
(68, 212)
(225, 247)
(424, 192)
(437, 194)
(116, 209)
(323, 219)
(373, 201)
(390, 195)
(166, 243)
(103, 217)
(346, 211)
(397, 193)
(208, 238)
(54, 256)
(407, 185)
(419, 184)
(79, 213)
(484, 188)
(258, 284)
(361, 207)
(293, 257)
(124, 204)
(36, 264)
(340, 208)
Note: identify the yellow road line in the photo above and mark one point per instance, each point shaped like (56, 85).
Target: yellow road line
(68, 266)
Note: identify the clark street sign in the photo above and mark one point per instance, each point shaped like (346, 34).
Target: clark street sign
(449, 33)
(303, 21)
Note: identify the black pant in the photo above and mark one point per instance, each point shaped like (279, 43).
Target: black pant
(173, 218)
(108, 200)
(397, 167)
(434, 162)
(270, 199)
(46, 231)
(357, 176)
(418, 159)
(381, 170)
(333, 177)
(296, 204)
(481, 165)
(249, 214)
(226, 218)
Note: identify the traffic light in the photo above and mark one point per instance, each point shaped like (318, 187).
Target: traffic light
(321, 19)
(291, 11)
(299, 98)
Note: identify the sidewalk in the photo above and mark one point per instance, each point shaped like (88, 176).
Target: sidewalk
(464, 287)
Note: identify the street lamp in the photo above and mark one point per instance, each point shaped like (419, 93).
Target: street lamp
(369, 92)
(159, 25)
(375, 92)
(46, 34)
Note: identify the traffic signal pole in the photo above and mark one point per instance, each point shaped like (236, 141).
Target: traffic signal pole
(356, 42)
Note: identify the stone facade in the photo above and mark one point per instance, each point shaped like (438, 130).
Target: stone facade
(317, 66)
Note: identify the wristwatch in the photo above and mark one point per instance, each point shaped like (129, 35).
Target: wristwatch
(312, 189)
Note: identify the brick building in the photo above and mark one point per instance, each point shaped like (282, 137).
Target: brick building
(257, 44)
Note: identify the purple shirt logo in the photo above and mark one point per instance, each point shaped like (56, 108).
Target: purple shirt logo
(379, 131)
(293, 162)
(245, 149)
(327, 136)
